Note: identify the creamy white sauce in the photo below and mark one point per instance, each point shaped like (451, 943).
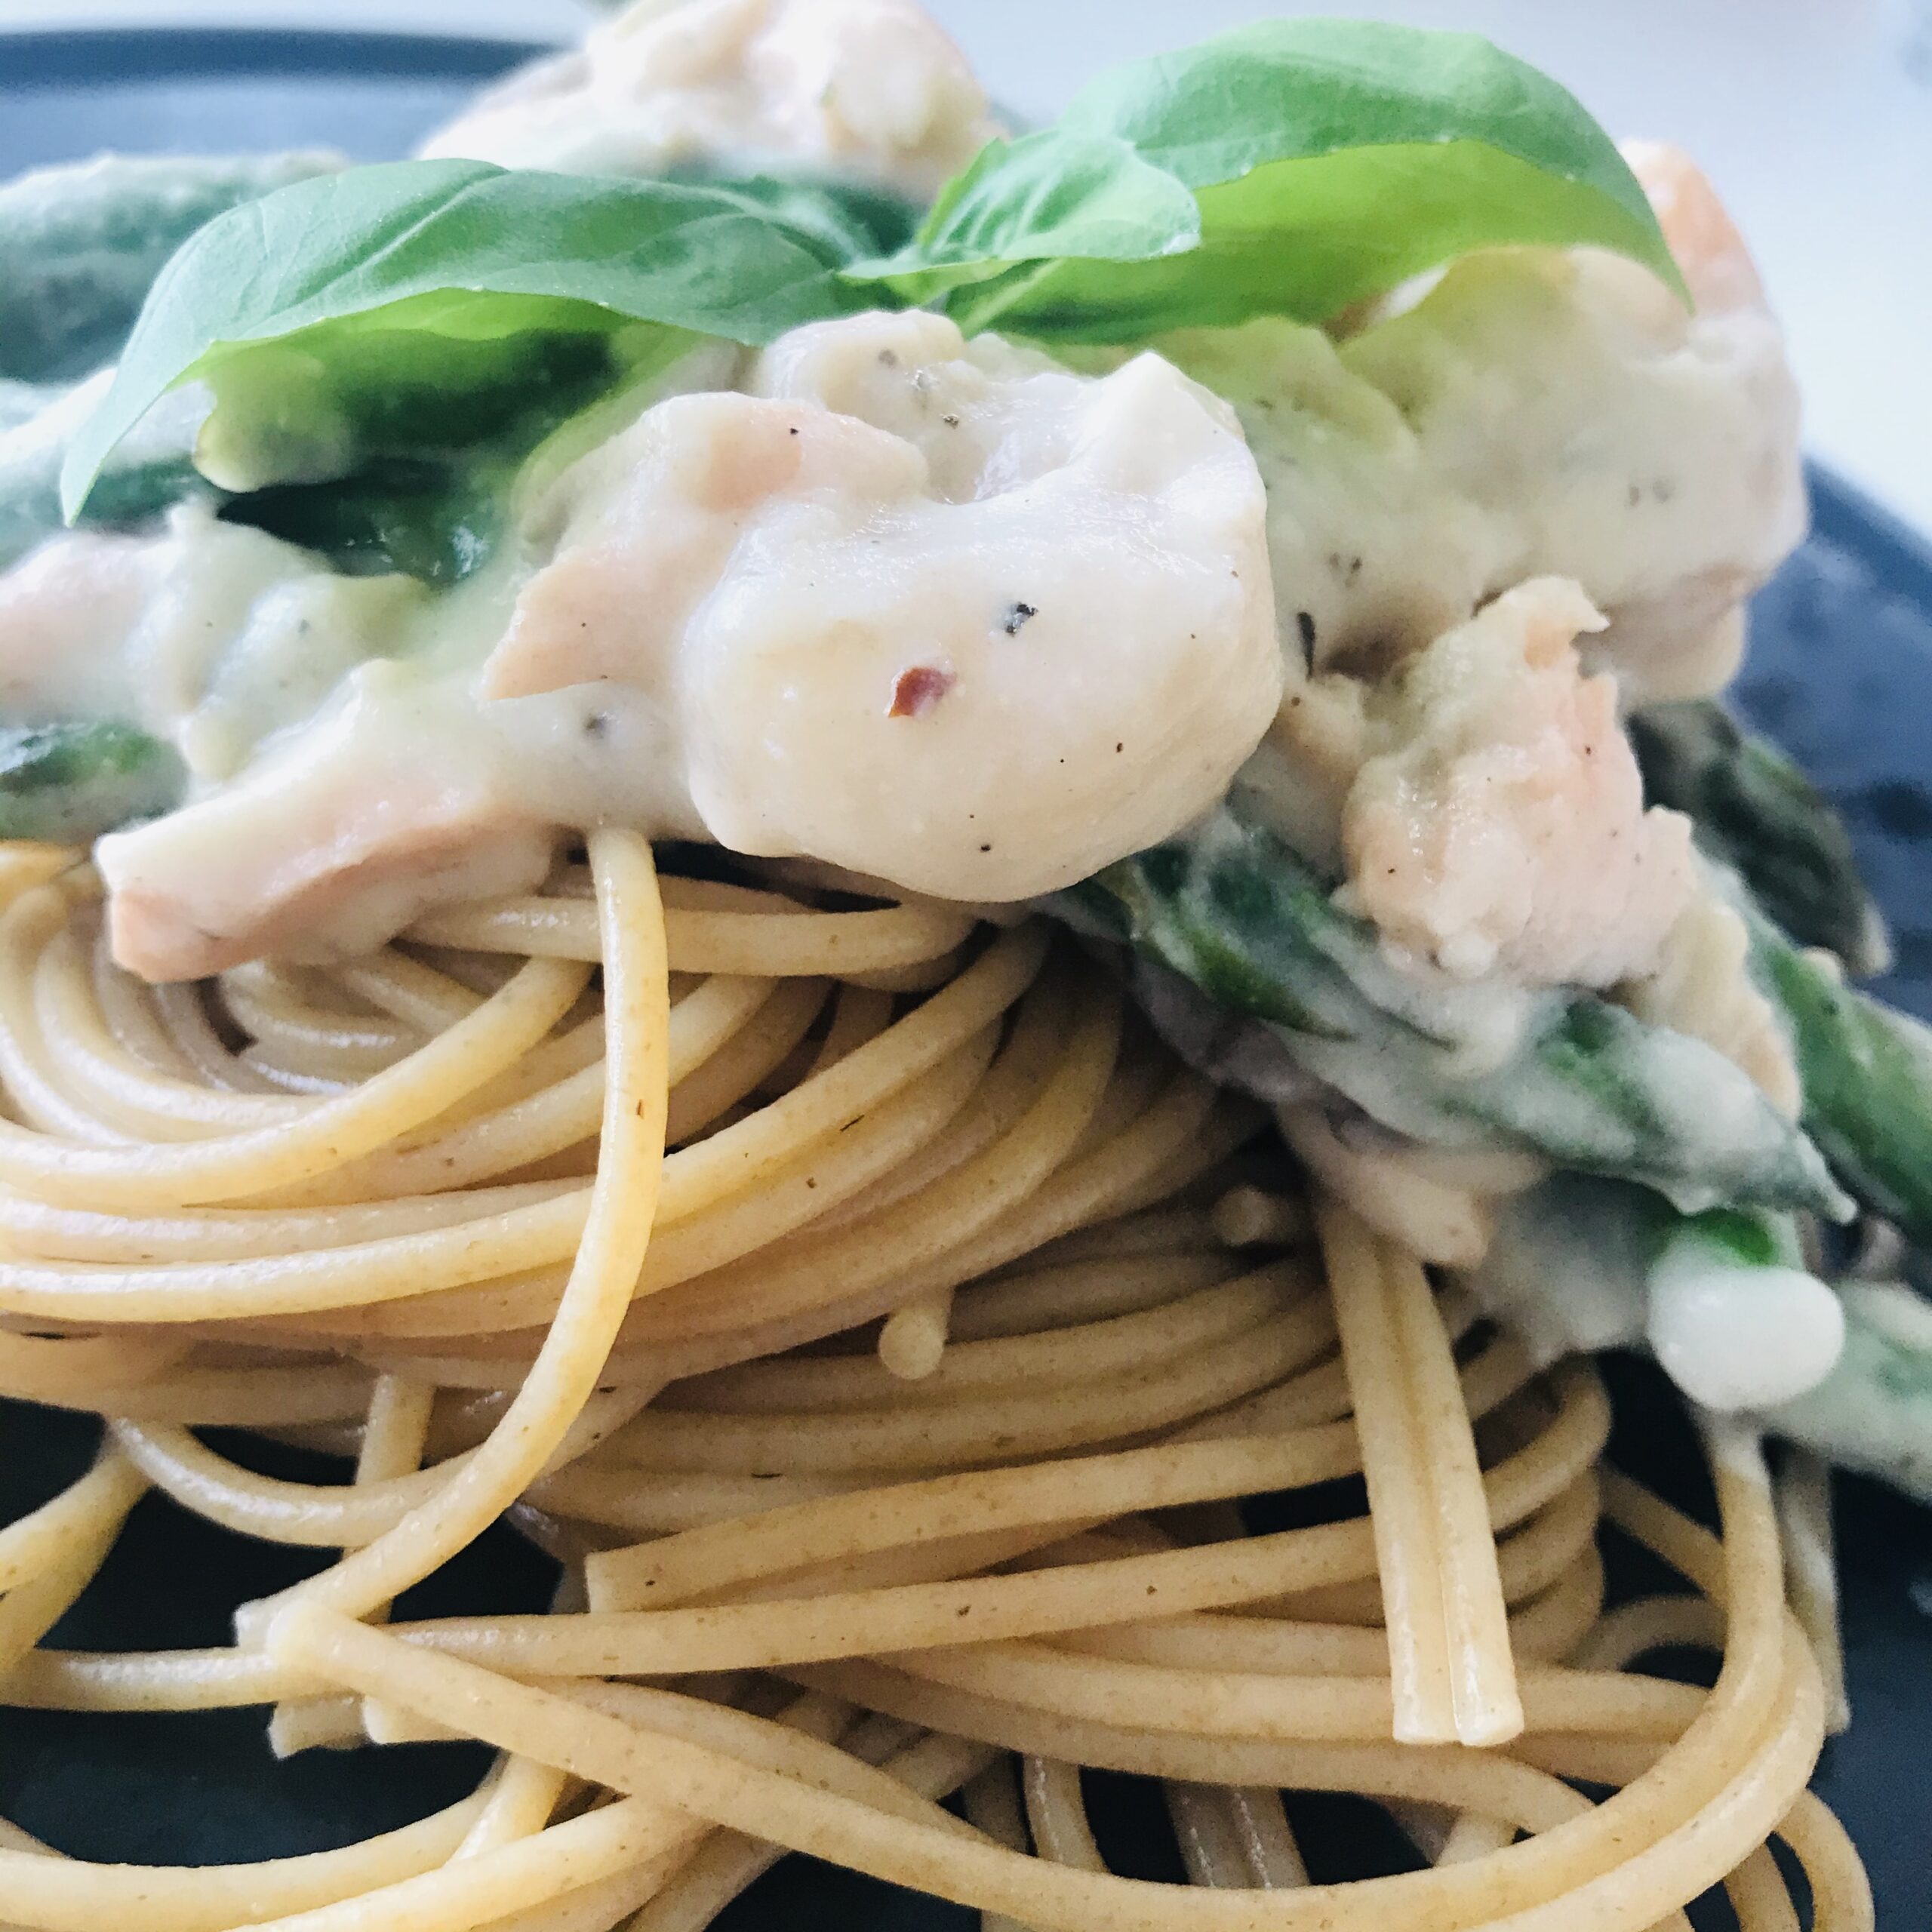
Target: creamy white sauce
(1565, 1269)
(1534, 413)
(1605, 434)
(1573, 1268)
(1528, 414)
(940, 613)
(1373, 553)
(944, 614)
(1734, 1339)
(871, 90)
(211, 634)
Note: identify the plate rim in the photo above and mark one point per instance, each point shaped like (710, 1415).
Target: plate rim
(1850, 517)
(51, 57)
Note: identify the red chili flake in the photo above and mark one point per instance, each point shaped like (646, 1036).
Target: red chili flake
(919, 690)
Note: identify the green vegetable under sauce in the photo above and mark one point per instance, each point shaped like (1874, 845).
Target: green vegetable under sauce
(1757, 813)
(68, 783)
(1288, 168)
(81, 245)
(1561, 1073)
(1867, 1073)
(438, 521)
(1723, 1298)
(1874, 1411)
(149, 474)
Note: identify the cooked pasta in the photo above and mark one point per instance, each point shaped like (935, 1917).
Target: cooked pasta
(885, 1332)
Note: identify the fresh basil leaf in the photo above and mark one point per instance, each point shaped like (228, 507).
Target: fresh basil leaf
(1329, 160)
(856, 221)
(1046, 198)
(330, 401)
(455, 260)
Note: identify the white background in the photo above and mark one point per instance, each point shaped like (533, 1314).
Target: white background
(1814, 116)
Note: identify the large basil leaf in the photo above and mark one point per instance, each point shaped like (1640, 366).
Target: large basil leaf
(1329, 160)
(1047, 199)
(443, 280)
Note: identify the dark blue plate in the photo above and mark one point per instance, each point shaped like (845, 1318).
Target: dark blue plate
(1840, 672)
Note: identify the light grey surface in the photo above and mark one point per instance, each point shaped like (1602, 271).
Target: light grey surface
(1814, 117)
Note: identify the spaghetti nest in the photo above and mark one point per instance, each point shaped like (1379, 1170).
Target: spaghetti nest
(894, 1422)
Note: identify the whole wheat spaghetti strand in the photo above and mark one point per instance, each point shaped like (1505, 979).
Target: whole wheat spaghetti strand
(65, 1895)
(120, 1091)
(741, 942)
(237, 1165)
(394, 1431)
(838, 1528)
(1759, 1895)
(617, 1232)
(1804, 1514)
(933, 1767)
(730, 1791)
(1056, 1812)
(1482, 1672)
(104, 1495)
(1529, 1794)
(1234, 1836)
(912, 1342)
(371, 1660)
(1408, 1533)
(1840, 1891)
(992, 1804)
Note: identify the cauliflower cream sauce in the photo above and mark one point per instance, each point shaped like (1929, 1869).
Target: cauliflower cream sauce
(1571, 1273)
(957, 618)
(939, 612)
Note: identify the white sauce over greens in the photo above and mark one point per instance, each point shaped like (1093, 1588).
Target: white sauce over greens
(953, 616)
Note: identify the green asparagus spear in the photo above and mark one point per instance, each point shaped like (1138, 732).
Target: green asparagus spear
(1583, 1264)
(1573, 1079)
(81, 246)
(70, 783)
(1867, 1075)
(150, 471)
(1757, 812)
(1874, 1411)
